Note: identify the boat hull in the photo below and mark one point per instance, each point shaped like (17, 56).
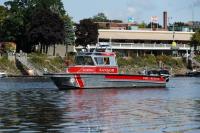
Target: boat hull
(69, 81)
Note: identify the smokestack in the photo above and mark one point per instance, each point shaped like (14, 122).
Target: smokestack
(165, 20)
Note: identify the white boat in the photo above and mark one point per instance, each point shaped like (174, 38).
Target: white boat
(3, 74)
(99, 69)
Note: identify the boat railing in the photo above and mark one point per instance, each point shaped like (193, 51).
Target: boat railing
(103, 48)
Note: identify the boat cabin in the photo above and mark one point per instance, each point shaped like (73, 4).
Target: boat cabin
(96, 59)
(102, 60)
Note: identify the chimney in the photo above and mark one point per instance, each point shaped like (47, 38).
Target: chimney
(165, 20)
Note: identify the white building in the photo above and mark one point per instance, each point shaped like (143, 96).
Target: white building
(140, 42)
(136, 42)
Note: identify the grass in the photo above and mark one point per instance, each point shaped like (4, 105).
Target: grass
(41, 61)
(135, 64)
(8, 66)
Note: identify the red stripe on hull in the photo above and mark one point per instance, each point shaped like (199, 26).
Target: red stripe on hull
(79, 81)
(135, 77)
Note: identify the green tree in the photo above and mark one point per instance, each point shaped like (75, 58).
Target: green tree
(116, 21)
(179, 24)
(46, 28)
(56, 6)
(195, 40)
(154, 25)
(3, 16)
(100, 17)
(86, 32)
(13, 26)
(69, 32)
(142, 25)
(16, 25)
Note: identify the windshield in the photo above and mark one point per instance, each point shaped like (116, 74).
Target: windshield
(102, 60)
(84, 60)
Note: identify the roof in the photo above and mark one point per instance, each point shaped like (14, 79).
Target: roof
(144, 35)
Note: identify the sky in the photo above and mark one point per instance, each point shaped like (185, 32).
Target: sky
(139, 10)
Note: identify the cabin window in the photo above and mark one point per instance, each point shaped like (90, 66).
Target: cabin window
(84, 60)
(99, 60)
(102, 60)
(79, 60)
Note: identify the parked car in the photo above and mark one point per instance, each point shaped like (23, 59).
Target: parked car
(153, 73)
(164, 72)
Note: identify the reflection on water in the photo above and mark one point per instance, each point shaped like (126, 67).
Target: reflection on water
(40, 108)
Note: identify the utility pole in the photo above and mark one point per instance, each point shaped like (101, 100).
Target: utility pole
(173, 47)
(173, 32)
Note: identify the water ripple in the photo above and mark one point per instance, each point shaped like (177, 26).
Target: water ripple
(46, 109)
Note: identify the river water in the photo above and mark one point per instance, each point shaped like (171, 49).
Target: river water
(36, 105)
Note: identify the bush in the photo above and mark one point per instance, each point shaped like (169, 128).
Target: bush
(150, 61)
(170, 61)
(41, 61)
(197, 58)
(8, 66)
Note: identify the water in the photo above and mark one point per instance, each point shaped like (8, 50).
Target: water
(27, 106)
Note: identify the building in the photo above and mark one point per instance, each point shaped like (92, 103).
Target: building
(137, 42)
(117, 26)
(195, 25)
(129, 40)
(140, 42)
(187, 27)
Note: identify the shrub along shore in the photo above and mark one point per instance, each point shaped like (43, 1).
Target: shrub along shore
(131, 65)
(134, 65)
(8, 66)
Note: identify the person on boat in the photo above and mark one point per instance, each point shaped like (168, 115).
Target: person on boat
(106, 61)
(144, 72)
(88, 48)
(88, 61)
(66, 63)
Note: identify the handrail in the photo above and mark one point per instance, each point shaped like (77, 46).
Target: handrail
(144, 46)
